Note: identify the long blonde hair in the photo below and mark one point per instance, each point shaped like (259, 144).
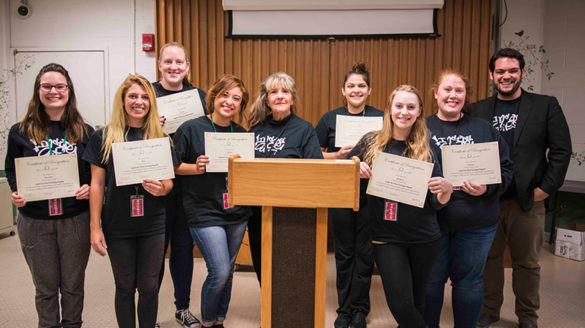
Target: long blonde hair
(417, 143)
(117, 129)
(260, 110)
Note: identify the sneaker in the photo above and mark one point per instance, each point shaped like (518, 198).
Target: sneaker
(342, 321)
(358, 320)
(485, 320)
(187, 319)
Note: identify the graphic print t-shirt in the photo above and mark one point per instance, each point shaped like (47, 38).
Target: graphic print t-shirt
(20, 145)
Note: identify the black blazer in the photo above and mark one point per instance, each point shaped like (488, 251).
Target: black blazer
(541, 127)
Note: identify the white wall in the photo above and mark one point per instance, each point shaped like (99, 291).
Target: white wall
(526, 16)
(114, 26)
(565, 44)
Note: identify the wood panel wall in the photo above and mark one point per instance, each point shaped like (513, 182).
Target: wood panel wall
(318, 65)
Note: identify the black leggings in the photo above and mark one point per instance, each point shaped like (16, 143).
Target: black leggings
(405, 270)
(136, 265)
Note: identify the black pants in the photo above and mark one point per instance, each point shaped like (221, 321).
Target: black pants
(181, 255)
(255, 239)
(405, 270)
(354, 259)
(136, 265)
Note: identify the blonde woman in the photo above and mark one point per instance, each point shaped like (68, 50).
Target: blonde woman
(405, 238)
(129, 221)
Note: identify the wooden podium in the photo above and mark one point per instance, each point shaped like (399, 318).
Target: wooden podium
(294, 195)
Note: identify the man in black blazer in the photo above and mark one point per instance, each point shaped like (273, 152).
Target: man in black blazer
(532, 124)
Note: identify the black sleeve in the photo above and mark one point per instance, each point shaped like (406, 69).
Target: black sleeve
(12, 151)
(203, 95)
(433, 198)
(311, 147)
(559, 148)
(361, 147)
(183, 145)
(93, 153)
(506, 167)
(321, 131)
(85, 177)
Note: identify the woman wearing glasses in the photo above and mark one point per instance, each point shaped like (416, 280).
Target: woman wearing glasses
(54, 233)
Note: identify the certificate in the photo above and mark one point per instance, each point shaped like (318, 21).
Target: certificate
(178, 108)
(219, 146)
(47, 177)
(478, 162)
(349, 129)
(135, 161)
(400, 179)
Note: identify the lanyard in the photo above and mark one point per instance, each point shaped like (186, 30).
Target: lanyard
(213, 125)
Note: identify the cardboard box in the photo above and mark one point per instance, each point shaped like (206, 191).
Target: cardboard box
(570, 241)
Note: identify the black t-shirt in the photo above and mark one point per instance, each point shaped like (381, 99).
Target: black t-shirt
(202, 194)
(161, 92)
(325, 128)
(465, 211)
(505, 121)
(413, 224)
(20, 145)
(291, 137)
(117, 221)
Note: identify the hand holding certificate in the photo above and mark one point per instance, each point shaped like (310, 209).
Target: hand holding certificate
(178, 108)
(479, 163)
(135, 161)
(47, 177)
(400, 179)
(219, 146)
(350, 129)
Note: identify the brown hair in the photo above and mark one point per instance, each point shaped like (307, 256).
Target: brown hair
(36, 122)
(360, 69)
(223, 84)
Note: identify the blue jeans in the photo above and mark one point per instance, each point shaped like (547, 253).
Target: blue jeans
(462, 259)
(219, 246)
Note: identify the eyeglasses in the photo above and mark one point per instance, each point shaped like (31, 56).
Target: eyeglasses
(59, 87)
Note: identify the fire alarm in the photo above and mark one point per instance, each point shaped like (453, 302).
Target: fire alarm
(147, 42)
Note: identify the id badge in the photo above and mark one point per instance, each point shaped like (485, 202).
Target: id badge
(226, 204)
(136, 206)
(55, 207)
(390, 211)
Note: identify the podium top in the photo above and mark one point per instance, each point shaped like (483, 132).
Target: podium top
(292, 182)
